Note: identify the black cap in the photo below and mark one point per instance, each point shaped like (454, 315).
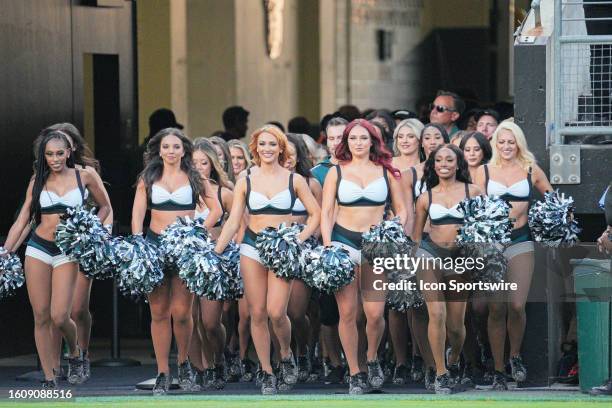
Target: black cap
(486, 112)
(161, 119)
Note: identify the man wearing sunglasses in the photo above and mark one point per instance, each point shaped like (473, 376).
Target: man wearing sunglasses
(446, 110)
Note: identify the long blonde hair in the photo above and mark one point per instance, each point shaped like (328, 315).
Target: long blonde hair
(237, 144)
(523, 155)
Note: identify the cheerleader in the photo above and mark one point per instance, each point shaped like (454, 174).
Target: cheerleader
(408, 152)
(170, 187)
(407, 144)
(365, 161)
(512, 174)
(239, 154)
(448, 182)
(80, 313)
(299, 162)
(208, 313)
(430, 138)
(476, 150)
(83, 159)
(51, 277)
(224, 156)
(268, 295)
(239, 331)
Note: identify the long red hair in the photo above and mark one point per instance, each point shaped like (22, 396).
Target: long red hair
(378, 151)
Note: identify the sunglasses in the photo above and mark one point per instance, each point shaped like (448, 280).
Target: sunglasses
(440, 108)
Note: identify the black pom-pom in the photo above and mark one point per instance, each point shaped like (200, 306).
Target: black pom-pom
(329, 269)
(280, 250)
(11, 275)
(552, 222)
(139, 268)
(385, 240)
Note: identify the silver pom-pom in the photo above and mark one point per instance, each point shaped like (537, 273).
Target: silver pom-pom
(311, 243)
(81, 236)
(486, 226)
(485, 220)
(385, 240)
(230, 265)
(329, 268)
(181, 240)
(215, 277)
(11, 275)
(403, 300)
(201, 271)
(551, 221)
(139, 268)
(280, 250)
(496, 264)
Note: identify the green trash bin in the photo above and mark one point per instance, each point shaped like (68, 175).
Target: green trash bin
(593, 279)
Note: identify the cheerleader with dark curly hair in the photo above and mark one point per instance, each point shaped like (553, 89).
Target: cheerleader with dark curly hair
(448, 183)
(51, 276)
(83, 160)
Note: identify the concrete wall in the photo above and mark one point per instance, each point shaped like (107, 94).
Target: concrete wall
(211, 63)
(200, 56)
(360, 78)
(363, 79)
(154, 66)
(265, 87)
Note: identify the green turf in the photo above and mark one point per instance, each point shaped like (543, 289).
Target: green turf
(333, 401)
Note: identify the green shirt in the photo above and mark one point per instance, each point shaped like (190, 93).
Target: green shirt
(319, 171)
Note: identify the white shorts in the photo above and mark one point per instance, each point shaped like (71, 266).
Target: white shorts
(46, 251)
(250, 252)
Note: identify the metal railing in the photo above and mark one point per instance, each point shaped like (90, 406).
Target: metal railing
(582, 74)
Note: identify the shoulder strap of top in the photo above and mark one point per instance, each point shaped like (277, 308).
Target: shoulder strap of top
(80, 184)
(529, 181)
(338, 179)
(248, 190)
(486, 170)
(414, 181)
(386, 176)
(291, 189)
(249, 171)
(467, 190)
(220, 200)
